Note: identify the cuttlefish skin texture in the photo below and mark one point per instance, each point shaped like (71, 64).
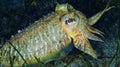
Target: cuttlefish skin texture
(45, 38)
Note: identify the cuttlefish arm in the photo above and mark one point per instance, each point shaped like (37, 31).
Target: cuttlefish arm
(82, 44)
(92, 20)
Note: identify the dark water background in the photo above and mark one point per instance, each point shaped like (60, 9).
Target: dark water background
(18, 14)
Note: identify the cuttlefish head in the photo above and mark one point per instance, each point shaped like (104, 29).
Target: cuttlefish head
(78, 29)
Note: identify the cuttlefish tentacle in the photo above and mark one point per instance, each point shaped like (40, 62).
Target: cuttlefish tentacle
(89, 35)
(92, 20)
(96, 31)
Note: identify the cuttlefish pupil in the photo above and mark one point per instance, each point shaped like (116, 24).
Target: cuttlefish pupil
(70, 20)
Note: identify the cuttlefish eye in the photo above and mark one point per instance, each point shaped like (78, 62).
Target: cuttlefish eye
(70, 21)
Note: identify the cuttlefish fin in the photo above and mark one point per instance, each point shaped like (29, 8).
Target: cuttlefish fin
(92, 20)
(82, 44)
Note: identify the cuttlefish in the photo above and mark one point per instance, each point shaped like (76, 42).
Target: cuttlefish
(47, 37)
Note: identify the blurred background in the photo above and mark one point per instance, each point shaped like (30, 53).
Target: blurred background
(16, 15)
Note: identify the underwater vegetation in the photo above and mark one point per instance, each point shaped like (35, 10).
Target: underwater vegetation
(109, 24)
